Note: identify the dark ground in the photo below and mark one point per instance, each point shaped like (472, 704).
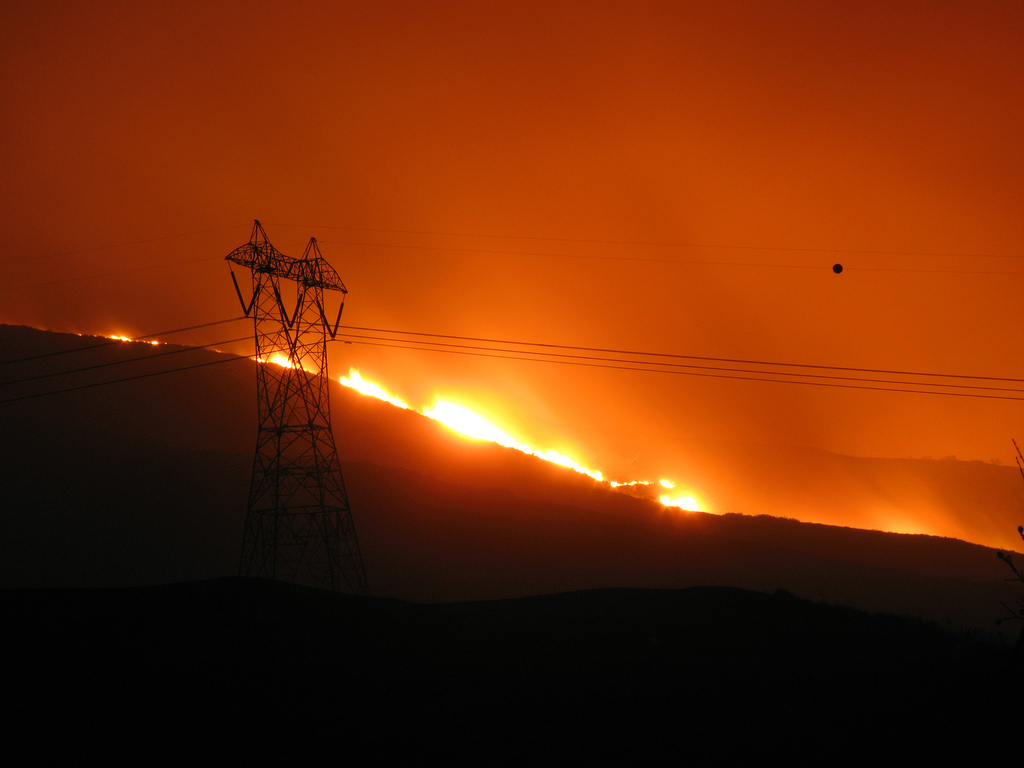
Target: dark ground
(269, 668)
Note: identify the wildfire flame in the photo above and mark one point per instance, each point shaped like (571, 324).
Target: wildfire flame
(462, 419)
(469, 423)
(683, 502)
(281, 360)
(126, 338)
(358, 383)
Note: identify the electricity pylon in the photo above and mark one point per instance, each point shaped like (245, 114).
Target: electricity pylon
(299, 525)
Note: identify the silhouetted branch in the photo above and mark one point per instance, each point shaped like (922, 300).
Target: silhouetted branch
(1016, 613)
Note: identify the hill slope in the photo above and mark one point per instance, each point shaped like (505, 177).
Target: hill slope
(144, 482)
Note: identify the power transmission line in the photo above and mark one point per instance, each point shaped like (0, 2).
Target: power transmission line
(695, 373)
(73, 371)
(118, 381)
(638, 365)
(498, 354)
(691, 365)
(547, 345)
(120, 341)
(740, 361)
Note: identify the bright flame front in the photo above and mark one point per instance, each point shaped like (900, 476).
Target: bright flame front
(469, 423)
(127, 338)
(359, 384)
(282, 361)
(461, 419)
(683, 502)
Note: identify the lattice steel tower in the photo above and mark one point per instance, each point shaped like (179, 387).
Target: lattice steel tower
(299, 525)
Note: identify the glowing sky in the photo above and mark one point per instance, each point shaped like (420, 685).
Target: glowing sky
(675, 177)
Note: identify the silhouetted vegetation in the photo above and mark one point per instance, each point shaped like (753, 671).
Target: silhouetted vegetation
(1016, 612)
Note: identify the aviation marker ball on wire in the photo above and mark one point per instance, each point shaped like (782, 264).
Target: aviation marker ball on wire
(837, 268)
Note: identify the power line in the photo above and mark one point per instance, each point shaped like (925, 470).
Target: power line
(739, 361)
(118, 381)
(571, 348)
(691, 366)
(758, 376)
(120, 341)
(695, 373)
(640, 365)
(73, 371)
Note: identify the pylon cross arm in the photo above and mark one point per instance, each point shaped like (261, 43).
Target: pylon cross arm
(312, 270)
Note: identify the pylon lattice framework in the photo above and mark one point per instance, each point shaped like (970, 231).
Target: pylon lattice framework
(298, 525)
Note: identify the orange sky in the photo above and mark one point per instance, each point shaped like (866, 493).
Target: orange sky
(674, 177)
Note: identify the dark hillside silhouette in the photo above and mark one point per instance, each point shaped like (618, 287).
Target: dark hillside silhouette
(706, 668)
(145, 482)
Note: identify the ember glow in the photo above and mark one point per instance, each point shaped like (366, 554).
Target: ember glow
(467, 422)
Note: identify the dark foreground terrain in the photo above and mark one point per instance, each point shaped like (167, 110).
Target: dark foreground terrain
(275, 669)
